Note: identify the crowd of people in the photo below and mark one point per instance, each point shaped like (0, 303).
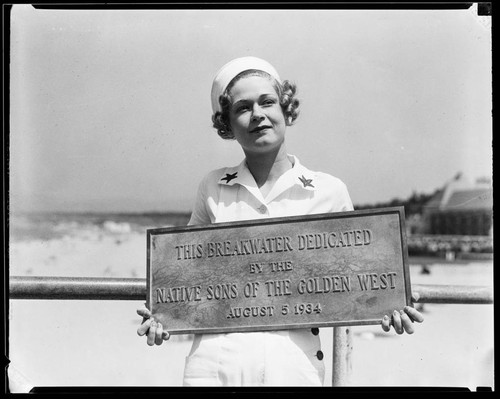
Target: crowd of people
(444, 246)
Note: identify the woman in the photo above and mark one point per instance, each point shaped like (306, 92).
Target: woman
(252, 105)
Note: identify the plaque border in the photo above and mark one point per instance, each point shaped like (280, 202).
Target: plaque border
(399, 210)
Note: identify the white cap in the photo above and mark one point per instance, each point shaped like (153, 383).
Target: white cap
(232, 69)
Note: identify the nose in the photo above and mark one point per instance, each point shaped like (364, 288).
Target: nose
(257, 113)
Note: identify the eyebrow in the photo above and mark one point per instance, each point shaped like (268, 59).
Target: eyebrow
(244, 100)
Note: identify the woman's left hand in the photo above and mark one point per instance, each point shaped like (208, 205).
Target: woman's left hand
(403, 320)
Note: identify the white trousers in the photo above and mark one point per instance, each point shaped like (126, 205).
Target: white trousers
(278, 358)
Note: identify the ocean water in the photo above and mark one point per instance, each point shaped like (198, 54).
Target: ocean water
(48, 226)
(24, 227)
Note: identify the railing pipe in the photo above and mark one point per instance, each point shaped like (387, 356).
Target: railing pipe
(96, 288)
(91, 288)
(453, 294)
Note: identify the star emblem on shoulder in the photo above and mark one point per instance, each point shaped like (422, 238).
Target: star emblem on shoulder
(306, 182)
(229, 177)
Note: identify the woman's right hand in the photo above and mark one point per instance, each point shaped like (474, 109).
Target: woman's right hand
(152, 329)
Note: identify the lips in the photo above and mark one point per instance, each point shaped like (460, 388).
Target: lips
(260, 128)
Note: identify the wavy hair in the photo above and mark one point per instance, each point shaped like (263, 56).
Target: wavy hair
(286, 92)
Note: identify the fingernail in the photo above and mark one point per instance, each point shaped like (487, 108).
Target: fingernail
(386, 317)
(401, 312)
(395, 313)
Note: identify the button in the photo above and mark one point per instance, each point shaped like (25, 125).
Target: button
(315, 331)
(319, 354)
(262, 209)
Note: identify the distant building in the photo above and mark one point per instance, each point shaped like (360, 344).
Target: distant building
(461, 208)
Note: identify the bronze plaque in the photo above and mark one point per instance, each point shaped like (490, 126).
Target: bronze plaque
(346, 268)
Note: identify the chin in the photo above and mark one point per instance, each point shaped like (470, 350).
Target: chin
(263, 146)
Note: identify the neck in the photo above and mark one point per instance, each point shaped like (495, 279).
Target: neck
(267, 168)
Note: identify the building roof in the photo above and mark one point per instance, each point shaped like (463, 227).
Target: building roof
(470, 199)
(435, 201)
(460, 195)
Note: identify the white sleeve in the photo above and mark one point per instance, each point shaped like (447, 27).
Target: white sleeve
(200, 214)
(345, 199)
(336, 194)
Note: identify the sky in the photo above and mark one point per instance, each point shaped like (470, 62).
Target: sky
(110, 109)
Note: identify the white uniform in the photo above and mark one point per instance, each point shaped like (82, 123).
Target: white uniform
(274, 358)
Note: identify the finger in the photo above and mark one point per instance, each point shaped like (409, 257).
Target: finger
(386, 323)
(152, 334)
(415, 296)
(146, 313)
(159, 334)
(166, 335)
(407, 323)
(396, 321)
(144, 327)
(414, 314)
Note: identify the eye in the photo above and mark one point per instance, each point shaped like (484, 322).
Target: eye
(269, 101)
(240, 108)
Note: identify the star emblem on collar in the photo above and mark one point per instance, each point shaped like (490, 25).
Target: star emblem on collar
(229, 177)
(306, 182)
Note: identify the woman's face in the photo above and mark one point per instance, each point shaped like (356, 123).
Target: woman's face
(255, 115)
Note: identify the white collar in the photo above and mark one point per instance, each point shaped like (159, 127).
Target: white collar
(297, 175)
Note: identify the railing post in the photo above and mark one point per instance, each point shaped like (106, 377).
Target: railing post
(342, 359)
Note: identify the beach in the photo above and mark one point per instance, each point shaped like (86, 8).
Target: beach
(94, 343)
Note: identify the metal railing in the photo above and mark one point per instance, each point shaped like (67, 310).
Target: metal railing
(96, 288)
(93, 288)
